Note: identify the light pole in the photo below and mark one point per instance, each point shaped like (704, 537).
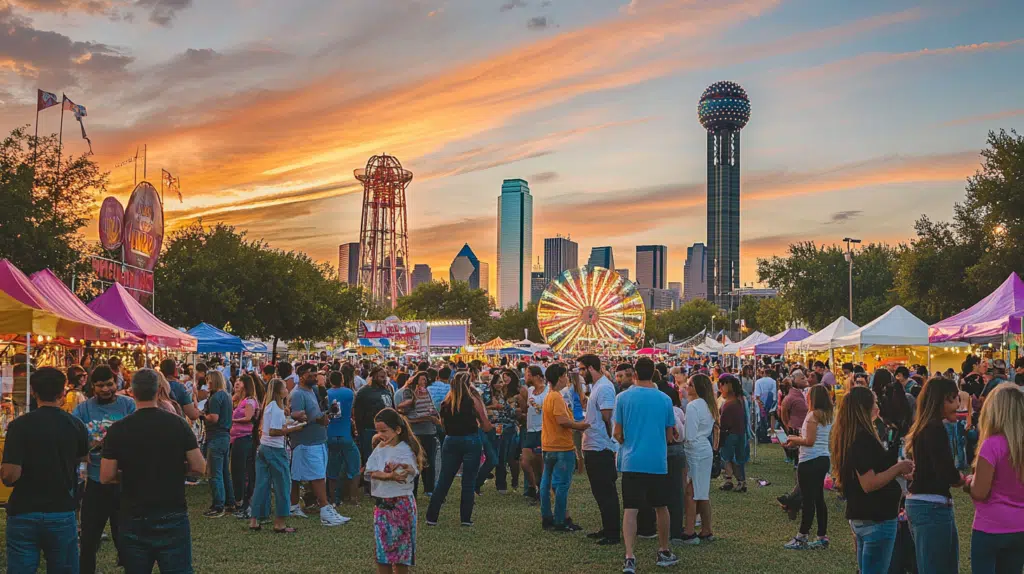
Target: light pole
(849, 259)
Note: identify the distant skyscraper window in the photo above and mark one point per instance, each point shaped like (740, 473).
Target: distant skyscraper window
(348, 263)
(650, 266)
(602, 257)
(560, 253)
(515, 243)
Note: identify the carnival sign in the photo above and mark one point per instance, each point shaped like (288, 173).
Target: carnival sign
(143, 227)
(136, 280)
(111, 223)
(392, 328)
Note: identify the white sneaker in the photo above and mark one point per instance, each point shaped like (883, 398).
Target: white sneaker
(330, 517)
(297, 512)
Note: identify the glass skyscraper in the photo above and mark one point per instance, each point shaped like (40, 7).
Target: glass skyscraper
(515, 243)
(601, 257)
(650, 266)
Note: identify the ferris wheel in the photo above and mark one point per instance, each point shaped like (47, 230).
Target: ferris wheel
(591, 304)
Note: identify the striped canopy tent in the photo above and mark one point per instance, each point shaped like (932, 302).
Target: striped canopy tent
(494, 345)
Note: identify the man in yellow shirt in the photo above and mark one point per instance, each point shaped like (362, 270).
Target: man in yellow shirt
(559, 451)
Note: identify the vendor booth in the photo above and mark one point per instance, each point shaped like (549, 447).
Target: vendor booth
(896, 337)
(775, 345)
(994, 319)
(210, 339)
(117, 306)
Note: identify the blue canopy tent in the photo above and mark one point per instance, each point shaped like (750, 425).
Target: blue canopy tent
(515, 352)
(256, 347)
(213, 340)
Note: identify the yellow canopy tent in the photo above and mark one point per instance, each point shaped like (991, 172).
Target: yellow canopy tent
(17, 318)
(494, 345)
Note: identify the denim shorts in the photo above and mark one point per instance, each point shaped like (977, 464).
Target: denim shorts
(309, 462)
(342, 458)
(532, 441)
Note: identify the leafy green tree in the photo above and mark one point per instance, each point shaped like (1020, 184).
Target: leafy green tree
(443, 300)
(683, 322)
(774, 315)
(41, 215)
(513, 323)
(747, 310)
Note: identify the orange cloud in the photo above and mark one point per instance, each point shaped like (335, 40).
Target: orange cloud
(995, 116)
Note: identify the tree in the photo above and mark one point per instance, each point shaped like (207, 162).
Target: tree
(747, 311)
(814, 281)
(443, 300)
(774, 315)
(41, 215)
(216, 275)
(513, 323)
(683, 322)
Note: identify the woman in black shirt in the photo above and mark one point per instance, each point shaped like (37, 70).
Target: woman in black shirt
(462, 415)
(930, 505)
(866, 474)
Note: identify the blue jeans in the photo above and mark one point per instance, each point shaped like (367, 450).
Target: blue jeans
(53, 533)
(957, 443)
(456, 450)
(875, 542)
(164, 539)
(997, 553)
(508, 449)
(271, 469)
(558, 469)
(220, 469)
(489, 441)
(936, 542)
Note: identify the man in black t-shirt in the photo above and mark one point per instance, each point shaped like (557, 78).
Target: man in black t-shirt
(154, 517)
(41, 455)
(370, 400)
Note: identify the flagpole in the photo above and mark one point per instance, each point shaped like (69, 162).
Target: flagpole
(135, 166)
(60, 138)
(35, 147)
(145, 159)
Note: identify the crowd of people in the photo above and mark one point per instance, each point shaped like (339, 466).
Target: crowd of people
(288, 439)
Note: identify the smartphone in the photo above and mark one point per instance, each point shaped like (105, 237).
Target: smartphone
(782, 436)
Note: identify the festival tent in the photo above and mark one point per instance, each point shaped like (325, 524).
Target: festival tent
(17, 317)
(68, 304)
(709, 346)
(822, 340)
(775, 345)
(897, 327)
(514, 352)
(210, 339)
(750, 340)
(256, 347)
(1000, 313)
(494, 345)
(650, 351)
(117, 306)
(70, 324)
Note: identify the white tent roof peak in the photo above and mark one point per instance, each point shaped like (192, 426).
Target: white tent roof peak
(823, 339)
(896, 327)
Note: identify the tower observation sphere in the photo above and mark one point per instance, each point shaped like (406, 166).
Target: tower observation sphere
(723, 105)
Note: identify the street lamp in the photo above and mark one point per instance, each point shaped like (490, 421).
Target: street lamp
(849, 259)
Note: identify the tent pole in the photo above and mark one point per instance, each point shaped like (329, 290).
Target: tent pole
(28, 372)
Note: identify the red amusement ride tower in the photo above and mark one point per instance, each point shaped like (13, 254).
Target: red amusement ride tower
(383, 232)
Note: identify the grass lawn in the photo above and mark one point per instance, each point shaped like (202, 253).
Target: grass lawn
(507, 537)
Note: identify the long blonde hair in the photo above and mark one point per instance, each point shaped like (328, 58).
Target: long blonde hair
(460, 390)
(821, 403)
(853, 417)
(1003, 414)
(274, 389)
(215, 381)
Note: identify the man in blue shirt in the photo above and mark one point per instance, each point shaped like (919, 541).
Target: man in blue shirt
(101, 502)
(644, 422)
(179, 393)
(599, 448)
(438, 389)
(342, 454)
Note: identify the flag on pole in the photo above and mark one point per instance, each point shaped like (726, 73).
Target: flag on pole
(172, 183)
(45, 100)
(80, 113)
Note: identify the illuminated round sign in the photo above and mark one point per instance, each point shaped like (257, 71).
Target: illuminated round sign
(111, 223)
(143, 227)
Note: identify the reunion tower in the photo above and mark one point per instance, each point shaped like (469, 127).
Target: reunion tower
(723, 110)
(383, 231)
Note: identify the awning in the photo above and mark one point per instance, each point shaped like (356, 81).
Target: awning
(210, 339)
(60, 297)
(896, 327)
(997, 314)
(823, 339)
(117, 306)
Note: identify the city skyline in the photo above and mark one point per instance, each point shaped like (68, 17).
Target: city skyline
(560, 253)
(868, 115)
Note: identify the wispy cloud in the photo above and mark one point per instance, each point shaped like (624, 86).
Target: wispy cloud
(980, 118)
(844, 216)
(864, 62)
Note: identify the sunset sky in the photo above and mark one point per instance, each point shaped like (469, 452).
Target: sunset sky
(864, 114)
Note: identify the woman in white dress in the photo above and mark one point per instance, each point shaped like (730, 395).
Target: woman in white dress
(701, 440)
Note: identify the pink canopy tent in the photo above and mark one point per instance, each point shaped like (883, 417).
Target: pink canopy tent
(998, 314)
(61, 298)
(117, 306)
(14, 283)
(650, 351)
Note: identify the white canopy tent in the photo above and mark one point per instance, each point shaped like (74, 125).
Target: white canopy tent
(824, 339)
(896, 327)
(751, 339)
(709, 346)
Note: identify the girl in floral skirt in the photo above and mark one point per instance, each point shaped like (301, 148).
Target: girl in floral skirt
(396, 460)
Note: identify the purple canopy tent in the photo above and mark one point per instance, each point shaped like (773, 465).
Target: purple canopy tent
(777, 344)
(998, 314)
(117, 306)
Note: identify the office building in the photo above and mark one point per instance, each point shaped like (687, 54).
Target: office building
(560, 253)
(602, 257)
(723, 110)
(695, 280)
(624, 273)
(515, 243)
(467, 268)
(537, 286)
(658, 299)
(676, 288)
(348, 263)
(650, 266)
(421, 274)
